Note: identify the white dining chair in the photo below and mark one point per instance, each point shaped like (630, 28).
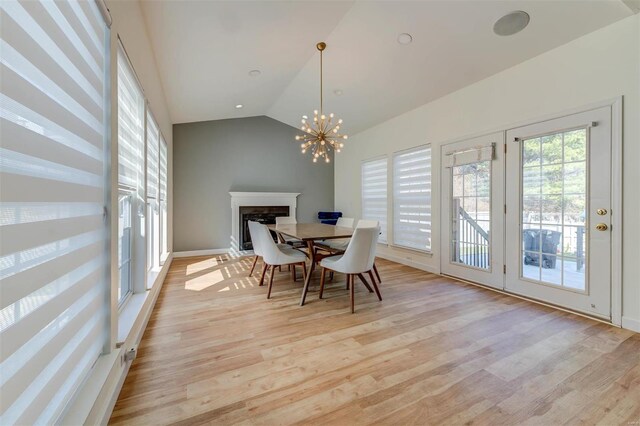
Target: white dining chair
(356, 260)
(288, 220)
(345, 222)
(256, 246)
(340, 244)
(273, 255)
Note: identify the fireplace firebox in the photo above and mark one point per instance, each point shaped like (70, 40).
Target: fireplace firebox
(262, 214)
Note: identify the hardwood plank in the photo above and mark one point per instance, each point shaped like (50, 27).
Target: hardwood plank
(434, 351)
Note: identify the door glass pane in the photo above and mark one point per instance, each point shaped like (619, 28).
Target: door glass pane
(471, 214)
(553, 200)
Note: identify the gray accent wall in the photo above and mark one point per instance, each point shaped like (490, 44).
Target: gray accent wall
(256, 154)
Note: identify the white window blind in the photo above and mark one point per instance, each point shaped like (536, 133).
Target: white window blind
(163, 199)
(153, 154)
(374, 194)
(130, 126)
(53, 120)
(412, 198)
(163, 169)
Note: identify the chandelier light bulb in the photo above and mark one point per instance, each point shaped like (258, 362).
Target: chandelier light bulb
(322, 134)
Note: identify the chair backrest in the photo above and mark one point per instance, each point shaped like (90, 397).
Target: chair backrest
(255, 237)
(363, 223)
(268, 248)
(361, 251)
(286, 220)
(347, 222)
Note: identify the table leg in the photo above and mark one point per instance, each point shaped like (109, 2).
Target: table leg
(311, 268)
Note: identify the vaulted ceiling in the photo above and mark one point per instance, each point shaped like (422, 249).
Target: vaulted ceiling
(205, 50)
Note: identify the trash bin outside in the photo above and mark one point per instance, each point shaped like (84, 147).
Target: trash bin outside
(532, 238)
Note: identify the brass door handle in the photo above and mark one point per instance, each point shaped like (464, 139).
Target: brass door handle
(601, 212)
(602, 227)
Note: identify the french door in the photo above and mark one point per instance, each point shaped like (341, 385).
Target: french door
(472, 209)
(529, 211)
(558, 197)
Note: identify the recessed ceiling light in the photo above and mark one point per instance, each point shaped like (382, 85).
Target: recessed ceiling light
(511, 23)
(254, 73)
(338, 92)
(239, 106)
(405, 38)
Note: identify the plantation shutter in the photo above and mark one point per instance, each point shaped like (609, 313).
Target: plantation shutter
(130, 126)
(53, 118)
(374, 194)
(412, 198)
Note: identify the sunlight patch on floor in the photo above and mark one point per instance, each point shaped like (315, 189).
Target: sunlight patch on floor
(204, 281)
(198, 266)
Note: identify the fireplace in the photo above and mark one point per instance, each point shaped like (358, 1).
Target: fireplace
(265, 215)
(256, 199)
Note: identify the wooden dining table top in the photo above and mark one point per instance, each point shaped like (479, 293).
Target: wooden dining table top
(312, 231)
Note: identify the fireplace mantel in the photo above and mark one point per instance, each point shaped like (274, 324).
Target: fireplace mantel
(241, 199)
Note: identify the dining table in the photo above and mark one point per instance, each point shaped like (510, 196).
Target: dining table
(309, 233)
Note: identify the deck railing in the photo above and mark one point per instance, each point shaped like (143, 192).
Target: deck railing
(471, 241)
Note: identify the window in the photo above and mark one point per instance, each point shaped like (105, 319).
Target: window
(153, 214)
(412, 198)
(53, 257)
(163, 200)
(131, 172)
(124, 245)
(374, 194)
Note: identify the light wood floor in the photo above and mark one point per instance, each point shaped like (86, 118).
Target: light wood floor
(434, 351)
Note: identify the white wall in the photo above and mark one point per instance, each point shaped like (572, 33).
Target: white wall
(597, 67)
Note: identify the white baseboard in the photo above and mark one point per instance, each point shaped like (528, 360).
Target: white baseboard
(207, 252)
(404, 261)
(631, 324)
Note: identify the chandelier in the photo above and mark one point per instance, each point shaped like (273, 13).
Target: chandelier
(321, 134)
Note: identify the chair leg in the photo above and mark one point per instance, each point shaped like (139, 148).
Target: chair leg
(346, 286)
(273, 270)
(264, 269)
(377, 274)
(366, 284)
(293, 272)
(304, 271)
(255, 260)
(375, 287)
(331, 275)
(322, 274)
(373, 280)
(352, 293)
